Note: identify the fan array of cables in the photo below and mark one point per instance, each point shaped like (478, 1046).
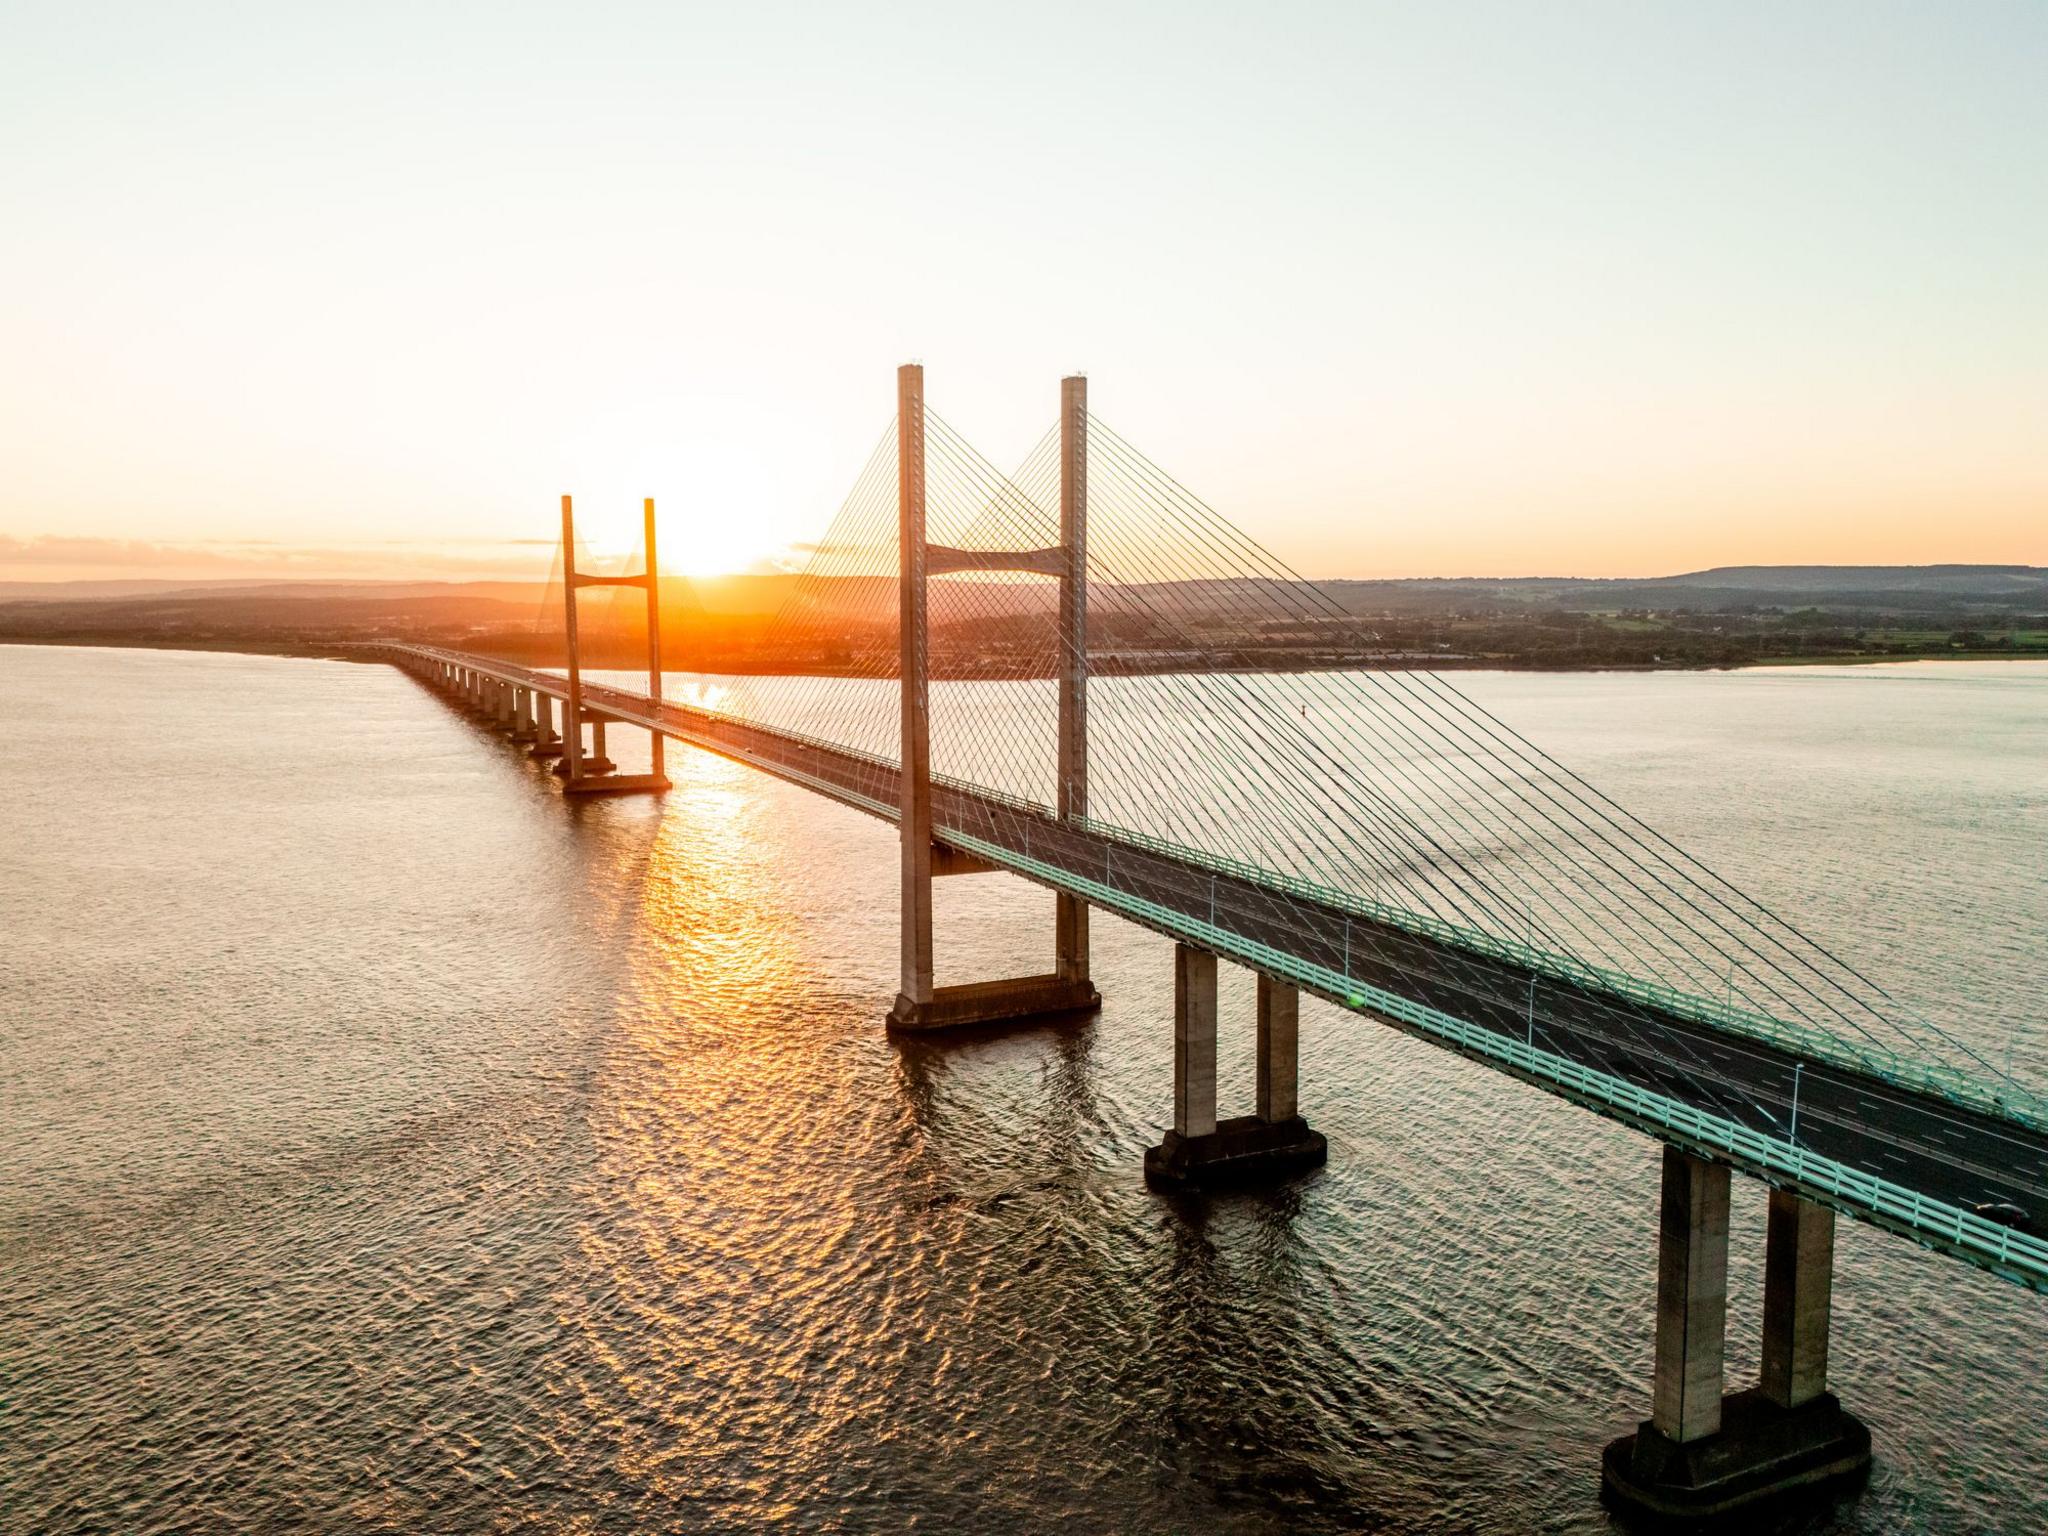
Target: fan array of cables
(1325, 766)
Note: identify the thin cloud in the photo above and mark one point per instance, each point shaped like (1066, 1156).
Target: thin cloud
(64, 557)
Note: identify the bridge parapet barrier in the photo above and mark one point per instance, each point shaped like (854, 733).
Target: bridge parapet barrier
(1939, 1080)
(1931, 1078)
(2014, 1255)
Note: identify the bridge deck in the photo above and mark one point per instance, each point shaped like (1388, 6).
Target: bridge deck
(1902, 1157)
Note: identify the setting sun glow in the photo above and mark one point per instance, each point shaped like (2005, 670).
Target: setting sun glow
(688, 542)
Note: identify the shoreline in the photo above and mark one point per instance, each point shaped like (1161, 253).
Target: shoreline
(340, 650)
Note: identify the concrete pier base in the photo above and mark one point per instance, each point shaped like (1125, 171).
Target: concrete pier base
(1010, 1000)
(616, 784)
(1246, 1150)
(593, 767)
(1763, 1456)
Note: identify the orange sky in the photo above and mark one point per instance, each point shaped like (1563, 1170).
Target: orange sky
(1462, 289)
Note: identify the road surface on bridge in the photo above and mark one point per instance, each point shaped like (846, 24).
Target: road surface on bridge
(1917, 1162)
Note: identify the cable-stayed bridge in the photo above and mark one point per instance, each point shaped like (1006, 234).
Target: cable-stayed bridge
(1080, 674)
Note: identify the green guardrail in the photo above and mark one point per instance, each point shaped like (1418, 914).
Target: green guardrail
(2010, 1102)
(2013, 1255)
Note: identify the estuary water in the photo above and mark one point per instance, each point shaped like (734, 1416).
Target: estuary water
(388, 1145)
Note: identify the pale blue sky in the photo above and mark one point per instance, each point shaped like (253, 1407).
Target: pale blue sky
(1599, 288)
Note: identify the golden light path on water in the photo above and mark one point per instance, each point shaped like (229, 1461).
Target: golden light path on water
(392, 1145)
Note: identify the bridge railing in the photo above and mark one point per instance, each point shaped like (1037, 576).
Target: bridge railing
(2012, 1254)
(2015, 1255)
(2007, 1102)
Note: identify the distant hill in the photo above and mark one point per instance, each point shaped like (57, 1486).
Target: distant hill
(1960, 580)
(1846, 588)
(2014, 586)
(1735, 615)
(1732, 615)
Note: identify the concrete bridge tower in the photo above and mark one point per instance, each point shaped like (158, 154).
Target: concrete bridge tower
(920, 1004)
(593, 772)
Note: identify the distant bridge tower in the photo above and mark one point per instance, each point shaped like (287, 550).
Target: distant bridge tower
(920, 1004)
(593, 773)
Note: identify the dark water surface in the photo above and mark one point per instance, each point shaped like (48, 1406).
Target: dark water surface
(389, 1145)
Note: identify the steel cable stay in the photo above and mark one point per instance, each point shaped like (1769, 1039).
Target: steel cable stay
(1554, 773)
(1702, 1084)
(1405, 793)
(1438, 680)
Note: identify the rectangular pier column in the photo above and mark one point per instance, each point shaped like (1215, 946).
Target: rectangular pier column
(1279, 1036)
(1799, 1265)
(543, 719)
(1692, 1298)
(1070, 913)
(1194, 1041)
(915, 806)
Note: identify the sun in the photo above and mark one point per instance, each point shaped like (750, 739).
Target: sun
(686, 543)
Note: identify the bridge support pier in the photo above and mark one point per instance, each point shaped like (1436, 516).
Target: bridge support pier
(591, 763)
(1202, 1151)
(545, 742)
(522, 715)
(1703, 1456)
